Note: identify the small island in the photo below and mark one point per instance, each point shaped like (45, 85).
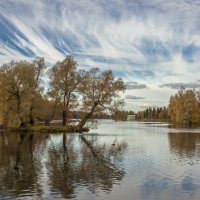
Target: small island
(27, 100)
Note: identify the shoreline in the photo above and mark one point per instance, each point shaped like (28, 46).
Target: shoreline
(46, 129)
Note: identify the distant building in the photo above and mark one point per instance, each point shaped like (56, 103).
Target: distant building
(131, 117)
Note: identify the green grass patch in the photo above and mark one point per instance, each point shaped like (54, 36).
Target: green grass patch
(47, 129)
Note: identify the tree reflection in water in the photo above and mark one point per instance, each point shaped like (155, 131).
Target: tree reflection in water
(184, 144)
(31, 165)
(18, 169)
(84, 163)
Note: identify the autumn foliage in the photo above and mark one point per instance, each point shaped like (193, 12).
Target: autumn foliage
(29, 92)
(184, 107)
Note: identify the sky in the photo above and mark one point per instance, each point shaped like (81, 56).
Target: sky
(154, 45)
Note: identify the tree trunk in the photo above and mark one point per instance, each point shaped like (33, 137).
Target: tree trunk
(31, 119)
(5, 121)
(190, 123)
(47, 121)
(64, 114)
(22, 123)
(85, 119)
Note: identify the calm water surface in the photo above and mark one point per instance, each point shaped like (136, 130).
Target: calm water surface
(119, 161)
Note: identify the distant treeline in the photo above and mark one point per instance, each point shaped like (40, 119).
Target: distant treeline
(153, 113)
(183, 109)
(120, 115)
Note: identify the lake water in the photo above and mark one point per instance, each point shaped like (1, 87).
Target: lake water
(119, 161)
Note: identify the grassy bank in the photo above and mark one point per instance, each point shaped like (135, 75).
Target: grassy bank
(47, 129)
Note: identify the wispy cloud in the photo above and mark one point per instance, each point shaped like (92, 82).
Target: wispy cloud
(132, 97)
(135, 85)
(181, 85)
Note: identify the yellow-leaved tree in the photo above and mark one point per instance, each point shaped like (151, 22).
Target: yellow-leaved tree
(184, 107)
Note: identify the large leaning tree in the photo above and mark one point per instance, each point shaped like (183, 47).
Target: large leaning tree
(100, 91)
(64, 81)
